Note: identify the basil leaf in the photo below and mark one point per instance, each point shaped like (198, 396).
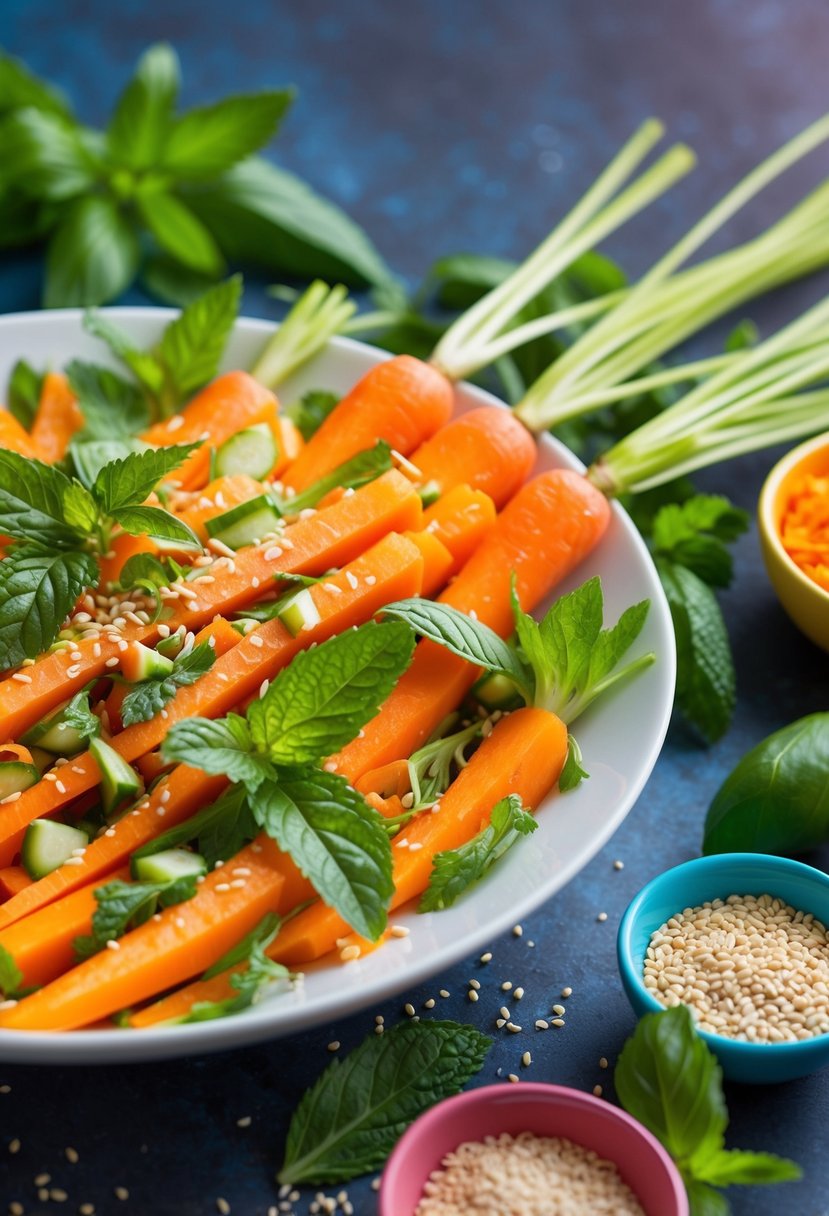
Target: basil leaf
(222, 746)
(128, 482)
(11, 977)
(149, 697)
(177, 230)
(312, 409)
(143, 115)
(455, 870)
(33, 502)
(210, 139)
(336, 840)
(37, 592)
(735, 1166)
(351, 1118)
(776, 800)
(144, 365)
(262, 214)
(124, 905)
(192, 345)
(667, 1078)
(160, 525)
(705, 682)
(92, 256)
(23, 394)
(20, 88)
(219, 830)
(318, 703)
(351, 474)
(461, 635)
(112, 407)
(43, 155)
(573, 772)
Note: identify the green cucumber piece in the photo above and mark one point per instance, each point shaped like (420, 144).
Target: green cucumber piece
(299, 612)
(496, 691)
(245, 625)
(168, 865)
(48, 844)
(430, 492)
(253, 451)
(170, 647)
(245, 524)
(118, 780)
(54, 735)
(16, 776)
(148, 664)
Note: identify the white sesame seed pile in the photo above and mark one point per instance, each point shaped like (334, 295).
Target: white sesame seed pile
(749, 967)
(526, 1175)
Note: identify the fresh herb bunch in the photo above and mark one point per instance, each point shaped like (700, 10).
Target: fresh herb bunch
(170, 196)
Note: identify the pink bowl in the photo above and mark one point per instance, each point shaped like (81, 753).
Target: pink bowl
(547, 1110)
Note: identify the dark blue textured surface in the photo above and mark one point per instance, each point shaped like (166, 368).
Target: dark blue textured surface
(445, 127)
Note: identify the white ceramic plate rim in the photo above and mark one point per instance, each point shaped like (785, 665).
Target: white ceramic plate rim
(507, 896)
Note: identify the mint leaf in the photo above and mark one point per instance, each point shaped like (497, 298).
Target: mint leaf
(80, 717)
(11, 977)
(192, 345)
(704, 1201)
(37, 592)
(124, 905)
(351, 474)
(461, 635)
(219, 830)
(128, 482)
(158, 524)
(92, 256)
(177, 230)
(735, 1166)
(143, 364)
(336, 840)
(33, 503)
(149, 697)
(705, 683)
(694, 534)
(210, 139)
(20, 88)
(44, 156)
(144, 113)
(23, 394)
(611, 644)
(351, 1118)
(573, 772)
(326, 695)
(113, 409)
(147, 572)
(222, 746)
(454, 871)
(312, 409)
(89, 456)
(259, 973)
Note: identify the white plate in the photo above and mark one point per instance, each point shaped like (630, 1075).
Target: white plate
(620, 738)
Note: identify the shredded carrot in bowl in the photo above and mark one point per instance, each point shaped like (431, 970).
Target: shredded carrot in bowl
(804, 525)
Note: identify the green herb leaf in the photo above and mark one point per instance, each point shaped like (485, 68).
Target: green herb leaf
(259, 972)
(147, 572)
(20, 88)
(11, 977)
(144, 365)
(35, 499)
(143, 116)
(37, 591)
(128, 482)
(222, 746)
(23, 393)
(150, 696)
(312, 409)
(158, 524)
(124, 905)
(89, 456)
(80, 717)
(180, 233)
(337, 841)
(730, 1167)
(430, 767)
(461, 635)
(219, 830)
(319, 702)
(705, 1201)
(776, 800)
(93, 255)
(349, 1121)
(694, 534)
(454, 871)
(213, 138)
(192, 345)
(113, 409)
(705, 684)
(573, 772)
(351, 474)
(172, 283)
(44, 156)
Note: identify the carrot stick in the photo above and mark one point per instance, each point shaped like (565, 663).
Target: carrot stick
(13, 438)
(122, 547)
(461, 519)
(220, 495)
(345, 599)
(179, 1003)
(289, 441)
(488, 448)
(12, 880)
(438, 562)
(329, 538)
(544, 532)
(41, 946)
(524, 755)
(402, 401)
(57, 419)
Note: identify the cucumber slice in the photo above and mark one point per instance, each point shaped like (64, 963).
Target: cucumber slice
(245, 524)
(299, 612)
(168, 865)
(245, 625)
(54, 735)
(48, 844)
(430, 492)
(118, 780)
(496, 691)
(171, 646)
(16, 776)
(253, 451)
(140, 662)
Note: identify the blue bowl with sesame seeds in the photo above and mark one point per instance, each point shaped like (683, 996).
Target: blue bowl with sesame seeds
(700, 882)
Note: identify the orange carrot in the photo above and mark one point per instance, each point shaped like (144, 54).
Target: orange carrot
(544, 532)
(122, 547)
(220, 495)
(289, 441)
(804, 523)
(488, 448)
(229, 404)
(12, 880)
(151, 766)
(461, 519)
(402, 401)
(524, 755)
(345, 599)
(15, 752)
(13, 438)
(329, 538)
(179, 1003)
(57, 419)
(438, 563)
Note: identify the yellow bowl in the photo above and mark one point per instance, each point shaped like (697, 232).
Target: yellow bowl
(806, 603)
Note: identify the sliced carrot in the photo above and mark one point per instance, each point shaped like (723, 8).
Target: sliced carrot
(544, 532)
(402, 401)
(151, 767)
(229, 404)
(178, 1004)
(289, 441)
(389, 781)
(345, 599)
(310, 546)
(487, 448)
(41, 946)
(524, 755)
(220, 634)
(15, 752)
(122, 547)
(13, 438)
(461, 519)
(438, 562)
(12, 880)
(57, 419)
(222, 494)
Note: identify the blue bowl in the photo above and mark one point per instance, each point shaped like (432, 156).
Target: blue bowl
(717, 877)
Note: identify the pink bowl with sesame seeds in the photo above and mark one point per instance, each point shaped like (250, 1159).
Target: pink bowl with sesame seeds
(546, 1110)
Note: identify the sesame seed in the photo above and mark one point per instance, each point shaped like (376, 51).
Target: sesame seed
(42, 1179)
(255, 640)
(430, 1004)
(557, 1022)
(14, 1145)
(603, 1062)
(5, 1089)
(223, 1206)
(597, 1091)
(87, 1209)
(500, 1022)
(121, 1192)
(602, 917)
(112, 944)
(512, 1077)
(222, 886)
(351, 580)
(565, 992)
(618, 865)
(474, 984)
(58, 1195)
(486, 958)
(23, 679)
(399, 931)
(559, 1009)
(506, 986)
(526, 1059)
(113, 662)
(518, 993)
(350, 953)
(472, 995)
(409, 1009)
(71, 1155)
(505, 1013)
(517, 930)
(541, 1024)
(512, 1028)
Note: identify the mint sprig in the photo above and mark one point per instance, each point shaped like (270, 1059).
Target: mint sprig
(257, 974)
(125, 905)
(148, 698)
